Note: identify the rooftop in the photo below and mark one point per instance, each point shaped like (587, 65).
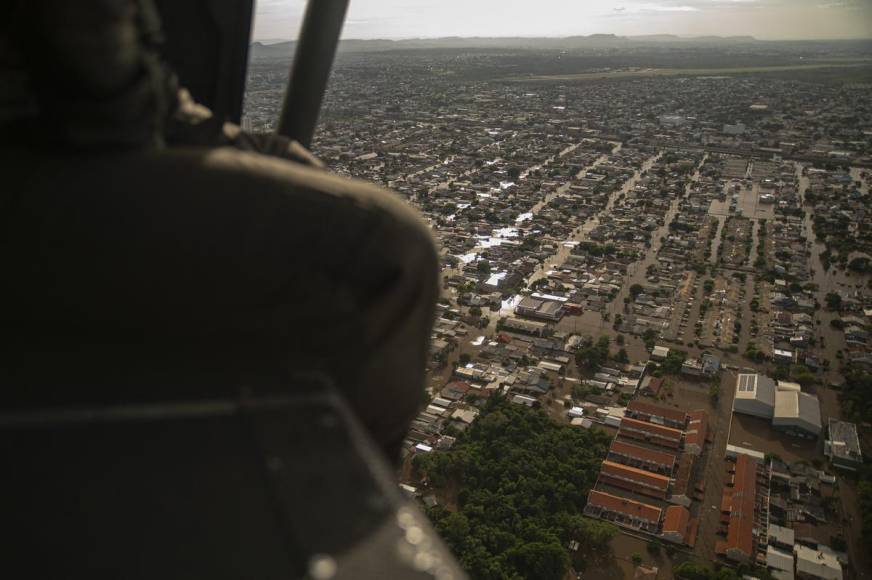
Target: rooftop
(657, 411)
(843, 441)
(652, 428)
(641, 476)
(643, 454)
(755, 386)
(624, 506)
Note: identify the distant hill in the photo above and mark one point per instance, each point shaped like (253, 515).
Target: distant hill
(260, 50)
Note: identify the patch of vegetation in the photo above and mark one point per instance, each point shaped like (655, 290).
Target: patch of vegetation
(861, 264)
(714, 393)
(690, 570)
(648, 336)
(522, 482)
(673, 361)
(864, 494)
(591, 355)
(856, 396)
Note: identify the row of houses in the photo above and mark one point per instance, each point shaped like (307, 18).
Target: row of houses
(752, 536)
(645, 481)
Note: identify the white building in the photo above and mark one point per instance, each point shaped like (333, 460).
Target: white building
(797, 412)
(843, 445)
(780, 563)
(755, 395)
(659, 353)
(821, 563)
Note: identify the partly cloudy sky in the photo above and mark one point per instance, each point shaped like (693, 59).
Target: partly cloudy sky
(765, 19)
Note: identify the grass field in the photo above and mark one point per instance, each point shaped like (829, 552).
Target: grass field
(666, 72)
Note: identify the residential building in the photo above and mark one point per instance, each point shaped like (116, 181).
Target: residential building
(738, 505)
(696, 432)
(817, 564)
(634, 479)
(657, 414)
(652, 433)
(676, 524)
(622, 511)
(642, 457)
(843, 445)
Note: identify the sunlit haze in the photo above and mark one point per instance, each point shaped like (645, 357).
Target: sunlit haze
(763, 19)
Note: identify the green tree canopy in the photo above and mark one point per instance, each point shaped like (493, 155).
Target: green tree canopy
(521, 483)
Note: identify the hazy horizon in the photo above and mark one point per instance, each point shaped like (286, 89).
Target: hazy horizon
(278, 20)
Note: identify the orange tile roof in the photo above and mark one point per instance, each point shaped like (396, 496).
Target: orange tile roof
(692, 529)
(657, 430)
(676, 520)
(634, 474)
(741, 500)
(642, 453)
(697, 428)
(657, 411)
(681, 484)
(624, 506)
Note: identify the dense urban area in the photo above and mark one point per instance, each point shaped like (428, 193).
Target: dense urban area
(653, 351)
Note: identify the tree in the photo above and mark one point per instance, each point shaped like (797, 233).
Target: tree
(653, 547)
(592, 355)
(622, 357)
(673, 361)
(860, 264)
(833, 300)
(514, 173)
(540, 560)
(521, 483)
(636, 559)
(856, 396)
(635, 290)
(714, 393)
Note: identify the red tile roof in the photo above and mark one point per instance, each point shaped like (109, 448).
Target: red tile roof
(697, 429)
(676, 520)
(642, 454)
(624, 506)
(660, 432)
(645, 408)
(681, 484)
(655, 384)
(740, 501)
(645, 478)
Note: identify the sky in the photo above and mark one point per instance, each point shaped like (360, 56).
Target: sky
(763, 19)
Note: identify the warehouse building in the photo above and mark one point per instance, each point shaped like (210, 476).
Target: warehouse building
(797, 413)
(755, 395)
